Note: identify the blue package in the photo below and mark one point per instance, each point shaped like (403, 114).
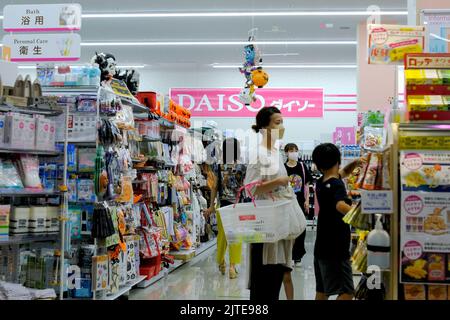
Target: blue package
(85, 190)
(84, 291)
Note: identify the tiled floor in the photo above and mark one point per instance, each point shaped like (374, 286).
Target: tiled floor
(201, 280)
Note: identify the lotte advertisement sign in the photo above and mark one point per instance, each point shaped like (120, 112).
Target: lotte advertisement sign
(225, 103)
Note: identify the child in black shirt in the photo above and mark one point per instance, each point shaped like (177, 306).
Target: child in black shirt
(332, 265)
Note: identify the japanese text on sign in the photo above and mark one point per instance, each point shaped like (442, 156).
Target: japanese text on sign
(427, 61)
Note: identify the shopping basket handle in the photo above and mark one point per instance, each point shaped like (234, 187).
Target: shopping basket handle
(247, 188)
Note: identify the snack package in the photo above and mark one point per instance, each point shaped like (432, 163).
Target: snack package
(437, 292)
(414, 292)
(379, 178)
(386, 180)
(363, 171)
(371, 173)
(374, 138)
(436, 267)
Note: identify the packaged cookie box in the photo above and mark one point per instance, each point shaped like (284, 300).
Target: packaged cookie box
(414, 292)
(436, 292)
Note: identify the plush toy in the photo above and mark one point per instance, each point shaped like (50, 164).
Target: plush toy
(260, 78)
(107, 64)
(253, 73)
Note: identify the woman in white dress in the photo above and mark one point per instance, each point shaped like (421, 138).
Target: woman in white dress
(268, 261)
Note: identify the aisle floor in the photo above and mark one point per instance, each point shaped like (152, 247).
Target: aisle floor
(201, 280)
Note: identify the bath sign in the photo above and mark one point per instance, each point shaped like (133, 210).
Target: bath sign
(26, 47)
(42, 17)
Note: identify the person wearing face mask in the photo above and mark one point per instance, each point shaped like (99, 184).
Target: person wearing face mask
(268, 262)
(300, 177)
(300, 180)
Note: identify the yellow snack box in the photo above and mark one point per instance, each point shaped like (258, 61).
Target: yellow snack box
(414, 292)
(398, 54)
(414, 76)
(437, 292)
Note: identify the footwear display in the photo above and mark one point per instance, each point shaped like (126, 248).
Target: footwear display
(233, 272)
(19, 87)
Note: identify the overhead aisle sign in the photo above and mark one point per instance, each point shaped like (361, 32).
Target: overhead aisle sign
(43, 47)
(42, 17)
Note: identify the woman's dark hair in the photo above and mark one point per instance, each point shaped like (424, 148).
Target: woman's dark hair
(290, 146)
(263, 117)
(326, 156)
(231, 151)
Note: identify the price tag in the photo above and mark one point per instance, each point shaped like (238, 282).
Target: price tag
(377, 201)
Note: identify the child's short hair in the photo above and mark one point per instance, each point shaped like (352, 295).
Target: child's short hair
(326, 156)
(290, 146)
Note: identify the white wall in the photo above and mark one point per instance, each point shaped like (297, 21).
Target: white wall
(336, 81)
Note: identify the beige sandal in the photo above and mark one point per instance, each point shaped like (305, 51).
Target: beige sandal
(223, 268)
(233, 272)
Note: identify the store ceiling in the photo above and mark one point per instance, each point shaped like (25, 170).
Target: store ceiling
(325, 28)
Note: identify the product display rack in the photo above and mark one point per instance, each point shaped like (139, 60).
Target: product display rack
(16, 241)
(412, 137)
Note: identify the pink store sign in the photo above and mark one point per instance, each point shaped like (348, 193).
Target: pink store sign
(294, 103)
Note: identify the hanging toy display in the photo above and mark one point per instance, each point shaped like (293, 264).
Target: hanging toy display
(108, 68)
(107, 64)
(253, 72)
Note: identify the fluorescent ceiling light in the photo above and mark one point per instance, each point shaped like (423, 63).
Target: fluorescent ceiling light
(217, 43)
(241, 14)
(438, 37)
(81, 65)
(292, 66)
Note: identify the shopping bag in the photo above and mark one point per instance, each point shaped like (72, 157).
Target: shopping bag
(262, 221)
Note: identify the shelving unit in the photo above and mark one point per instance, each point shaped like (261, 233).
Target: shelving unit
(15, 241)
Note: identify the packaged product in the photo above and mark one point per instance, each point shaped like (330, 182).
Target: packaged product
(386, 180)
(371, 173)
(444, 74)
(9, 175)
(364, 166)
(414, 77)
(2, 130)
(85, 190)
(374, 138)
(29, 167)
(437, 292)
(414, 292)
(45, 134)
(86, 159)
(379, 178)
(436, 267)
(432, 77)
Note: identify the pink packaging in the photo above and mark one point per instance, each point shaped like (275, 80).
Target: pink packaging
(45, 134)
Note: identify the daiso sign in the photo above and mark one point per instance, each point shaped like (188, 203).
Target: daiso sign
(295, 103)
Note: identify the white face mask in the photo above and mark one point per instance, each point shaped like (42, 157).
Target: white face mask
(293, 156)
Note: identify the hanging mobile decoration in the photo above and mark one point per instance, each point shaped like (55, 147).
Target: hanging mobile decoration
(252, 70)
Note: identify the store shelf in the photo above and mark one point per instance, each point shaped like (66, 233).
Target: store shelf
(70, 89)
(429, 115)
(139, 181)
(426, 90)
(45, 110)
(28, 193)
(29, 238)
(137, 107)
(147, 283)
(125, 289)
(150, 139)
(30, 151)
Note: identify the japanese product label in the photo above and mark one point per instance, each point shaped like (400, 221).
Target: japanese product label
(388, 44)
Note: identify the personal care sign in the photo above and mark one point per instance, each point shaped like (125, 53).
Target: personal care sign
(43, 47)
(293, 103)
(42, 17)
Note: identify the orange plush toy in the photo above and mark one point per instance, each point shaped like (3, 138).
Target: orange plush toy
(260, 78)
